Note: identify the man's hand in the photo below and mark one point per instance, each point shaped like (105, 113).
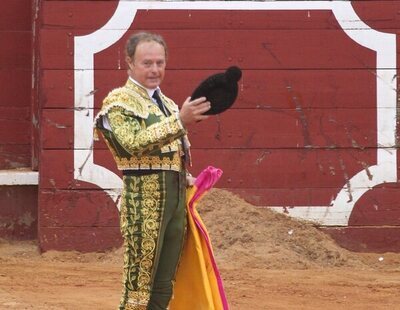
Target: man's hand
(190, 180)
(192, 111)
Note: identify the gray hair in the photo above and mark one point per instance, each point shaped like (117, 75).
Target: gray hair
(139, 37)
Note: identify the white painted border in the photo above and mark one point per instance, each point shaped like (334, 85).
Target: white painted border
(340, 209)
(19, 177)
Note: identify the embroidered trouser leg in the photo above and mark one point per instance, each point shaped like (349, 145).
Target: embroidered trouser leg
(153, 222)
(173, 232)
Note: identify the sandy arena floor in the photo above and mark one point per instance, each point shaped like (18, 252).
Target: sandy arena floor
(267, 261)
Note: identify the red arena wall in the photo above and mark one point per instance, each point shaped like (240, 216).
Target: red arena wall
(312, 134)
(18, 183)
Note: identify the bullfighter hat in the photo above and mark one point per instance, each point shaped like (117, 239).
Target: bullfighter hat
(220, 89)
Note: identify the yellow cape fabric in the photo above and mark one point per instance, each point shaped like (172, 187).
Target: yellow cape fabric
(196, 286)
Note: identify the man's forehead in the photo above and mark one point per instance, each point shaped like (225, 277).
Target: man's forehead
(149, 50)
(149, 45)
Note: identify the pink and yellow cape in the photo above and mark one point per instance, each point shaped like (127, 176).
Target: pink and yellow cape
(198, 283)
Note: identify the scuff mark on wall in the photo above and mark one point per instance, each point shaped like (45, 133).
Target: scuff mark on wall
(329, 141)
(26, 219)
(80, 168)
(57, 125)
(353, 142)
(267, 47)
(261, 157)
(376, 74)
(302, 116)
(366, 168)
(347, 179)
(321, 168)
(35, 121)
(14, 164)
(218, 133)
(91, 93)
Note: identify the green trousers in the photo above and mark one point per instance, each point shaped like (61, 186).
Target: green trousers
(153, 226)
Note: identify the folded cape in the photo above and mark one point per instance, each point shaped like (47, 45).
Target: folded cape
(198, 283)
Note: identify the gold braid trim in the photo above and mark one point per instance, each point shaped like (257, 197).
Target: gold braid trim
(147, 162)
(135, 307)
(150, 162)
(137, 300)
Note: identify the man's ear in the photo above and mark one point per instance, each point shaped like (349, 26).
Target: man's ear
(129, 62)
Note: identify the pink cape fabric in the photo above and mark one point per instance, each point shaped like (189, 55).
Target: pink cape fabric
(198, 282)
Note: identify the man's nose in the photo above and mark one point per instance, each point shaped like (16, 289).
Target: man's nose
(154, 67)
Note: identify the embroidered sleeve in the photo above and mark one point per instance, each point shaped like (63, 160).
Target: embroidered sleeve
(140, 141)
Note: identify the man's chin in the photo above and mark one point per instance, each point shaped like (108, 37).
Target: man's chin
(153, 84)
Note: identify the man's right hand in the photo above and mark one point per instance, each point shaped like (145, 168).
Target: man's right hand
(192, 111)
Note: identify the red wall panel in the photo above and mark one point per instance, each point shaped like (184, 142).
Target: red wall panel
(305, 121)
(16, 15)
(367, 239)
(15, 80)
(268, 50)
(240, 128)
(18, 212)
(77, 208)
(18, 204)
(84, 239)
(261, 89)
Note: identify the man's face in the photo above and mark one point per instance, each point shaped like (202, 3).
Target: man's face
(147, 66)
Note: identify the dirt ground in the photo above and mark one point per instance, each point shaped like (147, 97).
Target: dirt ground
(267, 261)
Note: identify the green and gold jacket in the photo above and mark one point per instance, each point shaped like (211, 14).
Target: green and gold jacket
(138, 134)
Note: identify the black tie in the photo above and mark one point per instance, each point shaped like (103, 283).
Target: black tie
(156, 96)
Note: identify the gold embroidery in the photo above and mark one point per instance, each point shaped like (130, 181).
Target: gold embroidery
(141, 213)
(134, 99)
(137, 300)
(150, 229)
(170, 104)
(140, 130)
(136, 140)
(129, 99)
(135, 307)
(150, 162)
(153, 109)
(163, 161)
(172, 147)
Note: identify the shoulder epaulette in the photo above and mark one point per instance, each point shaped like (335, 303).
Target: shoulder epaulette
(127, 99)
